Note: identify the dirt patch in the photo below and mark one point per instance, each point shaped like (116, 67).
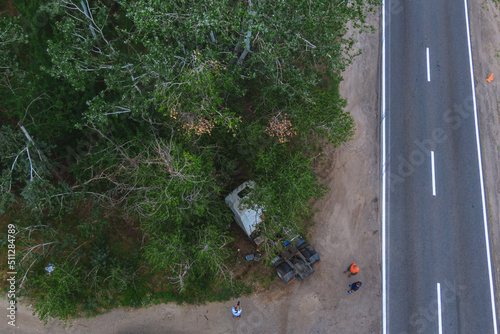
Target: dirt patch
(253, 273)
(9, 8)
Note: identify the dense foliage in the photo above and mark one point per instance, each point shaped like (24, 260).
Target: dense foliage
(126, 123)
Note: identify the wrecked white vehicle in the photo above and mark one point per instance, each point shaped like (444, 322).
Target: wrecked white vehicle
(248, 218)
(295, 260)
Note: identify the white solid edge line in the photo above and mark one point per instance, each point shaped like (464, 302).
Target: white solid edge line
(383, 217)
(440, 317)
(481, 179)
(433, 174)
(428, 65)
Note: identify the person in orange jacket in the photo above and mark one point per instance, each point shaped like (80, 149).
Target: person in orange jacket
(353, 270)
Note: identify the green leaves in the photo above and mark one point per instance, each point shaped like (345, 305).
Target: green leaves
(25, 171)
(59, 291)
(155, 110)
(285, 184)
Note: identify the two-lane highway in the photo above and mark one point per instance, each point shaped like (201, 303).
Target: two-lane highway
(437, 273)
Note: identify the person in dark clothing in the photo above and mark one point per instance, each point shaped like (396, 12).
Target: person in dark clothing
(354, 287)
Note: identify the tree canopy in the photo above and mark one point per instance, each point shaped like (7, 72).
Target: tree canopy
(129, 122)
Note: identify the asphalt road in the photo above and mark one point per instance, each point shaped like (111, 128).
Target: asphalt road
(437, 277)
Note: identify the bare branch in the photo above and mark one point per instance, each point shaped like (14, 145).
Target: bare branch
(25, 274)
(35, 247)
(118, 148)
(307, 42)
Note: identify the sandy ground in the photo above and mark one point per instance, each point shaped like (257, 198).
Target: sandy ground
(347, 223)
(485, 38)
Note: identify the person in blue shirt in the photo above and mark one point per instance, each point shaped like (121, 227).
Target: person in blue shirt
(354, 287)
(50, 268)
(236, 310)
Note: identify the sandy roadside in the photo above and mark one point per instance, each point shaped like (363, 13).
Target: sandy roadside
(485, 39)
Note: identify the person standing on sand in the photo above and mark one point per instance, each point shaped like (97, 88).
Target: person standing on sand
(353, 269)
(354, 287)
(236, 310)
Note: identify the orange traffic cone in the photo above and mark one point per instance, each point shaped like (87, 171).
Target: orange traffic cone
(490, 78)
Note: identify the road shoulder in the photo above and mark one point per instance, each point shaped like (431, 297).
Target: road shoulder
(485, 39)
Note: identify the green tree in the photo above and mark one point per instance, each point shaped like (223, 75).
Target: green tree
(25, 169)
(155, 110)
(56, 293)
